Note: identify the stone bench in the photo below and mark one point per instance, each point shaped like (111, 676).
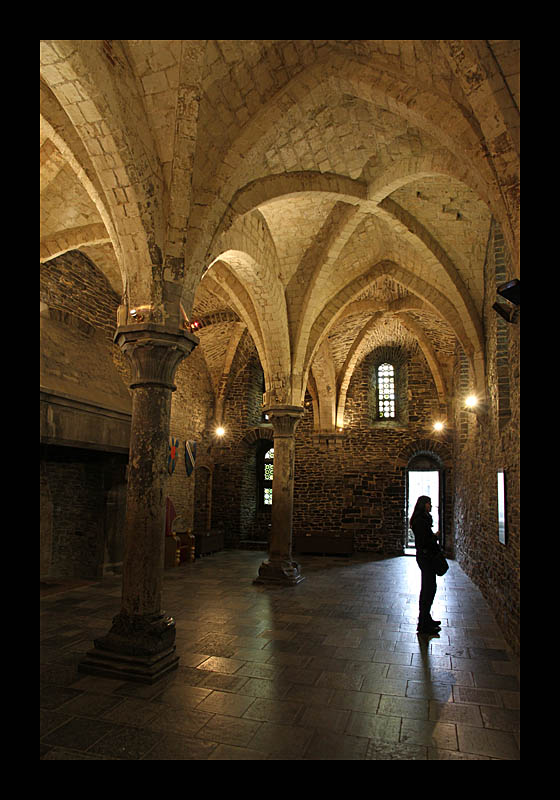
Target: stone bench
(324, 545)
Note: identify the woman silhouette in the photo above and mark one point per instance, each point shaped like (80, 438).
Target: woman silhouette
(426, 544)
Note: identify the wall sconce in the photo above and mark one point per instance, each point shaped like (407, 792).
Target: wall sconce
(510, 291)
(439, 426)
(138, 312)
(476, 406)
(220, 431)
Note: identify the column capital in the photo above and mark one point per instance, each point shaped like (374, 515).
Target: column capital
(154, 352)
(284, 419)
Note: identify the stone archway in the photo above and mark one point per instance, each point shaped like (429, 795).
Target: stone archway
(421, 454)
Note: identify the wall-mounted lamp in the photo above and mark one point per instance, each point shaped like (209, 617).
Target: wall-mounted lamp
(438, 426)
(510, 291)
(477, 406)
(138, 312)
(506, 312)
(220, 431)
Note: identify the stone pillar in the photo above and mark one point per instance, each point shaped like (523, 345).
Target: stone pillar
(141, 643)
(281, 569)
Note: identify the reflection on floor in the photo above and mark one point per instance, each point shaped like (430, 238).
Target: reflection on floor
(329, 669)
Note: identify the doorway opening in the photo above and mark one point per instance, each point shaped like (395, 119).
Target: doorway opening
(424, 480)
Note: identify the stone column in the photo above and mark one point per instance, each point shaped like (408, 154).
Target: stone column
(281, 569)
(141, 643)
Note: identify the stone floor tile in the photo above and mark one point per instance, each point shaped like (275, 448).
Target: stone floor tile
(455, 712)
(330, 746)
(127, 743)
(403, 707)
(51, 696)
(384, 686)
(179, 720)
(391, 751)
(486, 697)
(50, 720)
(227, 752)
(367, 702)
(173, 747)
(182, 696)
(441, 735)
(501, 719)
(287, 741)
(374, 726)
(228, 730)
(90, 704)
(217, 664)
(331, 669)
(269, 710)
(225, 703)
(495, 744)
(429, 691)
(78, 734)
(132, 711)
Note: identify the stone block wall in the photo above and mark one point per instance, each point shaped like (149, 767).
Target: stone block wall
(83, 494)
(234, 496)
(355, 483)
(192, 405)
(489, 443)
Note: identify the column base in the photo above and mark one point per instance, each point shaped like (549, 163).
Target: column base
(137, 648)
(138, 669)
(279, 573)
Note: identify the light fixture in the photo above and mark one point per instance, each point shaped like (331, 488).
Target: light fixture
(509, 314)
(476, 406)
(510, 291)
(220, 431)
(438, 426)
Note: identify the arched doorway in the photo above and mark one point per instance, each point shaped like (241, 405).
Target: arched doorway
(425, 475)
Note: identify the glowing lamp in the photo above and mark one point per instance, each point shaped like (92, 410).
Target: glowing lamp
(471, 401)
(438, 426)
(220, 431)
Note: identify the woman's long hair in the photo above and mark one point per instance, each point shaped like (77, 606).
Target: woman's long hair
(420, 507)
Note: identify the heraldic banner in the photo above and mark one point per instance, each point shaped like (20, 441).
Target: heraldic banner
(172, 454)
(190, 456)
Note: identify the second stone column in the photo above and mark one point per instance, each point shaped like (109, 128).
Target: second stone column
(280, 568)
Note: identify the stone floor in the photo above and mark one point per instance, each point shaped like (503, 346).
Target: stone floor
(329, 669)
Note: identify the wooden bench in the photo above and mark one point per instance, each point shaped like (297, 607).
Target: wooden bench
(208, 542)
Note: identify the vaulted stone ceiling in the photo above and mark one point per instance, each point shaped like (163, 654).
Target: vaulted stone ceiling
(332, 195)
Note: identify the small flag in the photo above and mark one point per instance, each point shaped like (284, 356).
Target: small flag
(172, 455)
(190, 456)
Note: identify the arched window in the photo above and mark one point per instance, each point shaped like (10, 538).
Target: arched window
(386, 391)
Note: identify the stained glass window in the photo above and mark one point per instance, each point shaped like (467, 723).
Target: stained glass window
(268, 474)
(386, 391)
